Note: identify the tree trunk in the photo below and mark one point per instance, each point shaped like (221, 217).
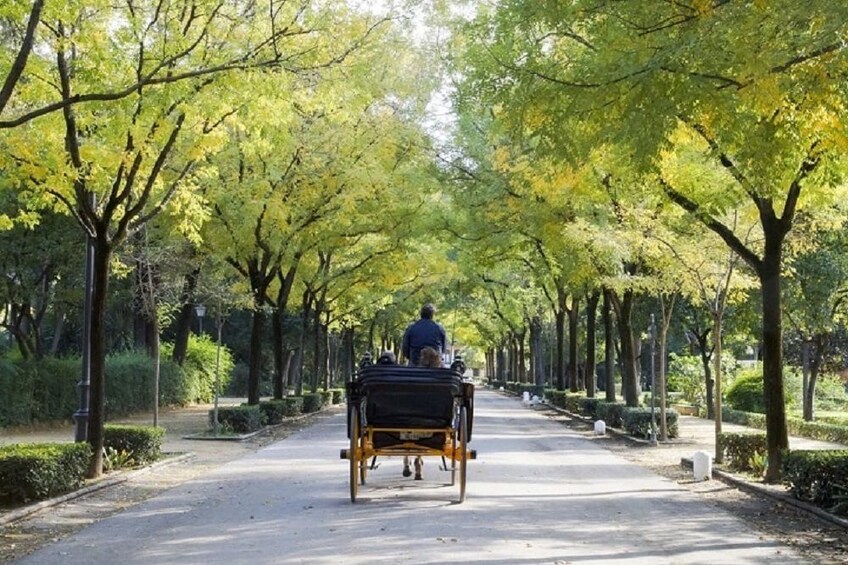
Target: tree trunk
(257, 335)
(773, 396)
(97, 392)
(279, 355)
(719, 456)
(609, 349)
(536, 352)
(591, 320)
(706, 352)
(522, 369)
(812, 366)
(630, 376)
(573, 322)
(182, 325)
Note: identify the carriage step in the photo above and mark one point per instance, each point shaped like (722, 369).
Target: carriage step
(343, 454)
(472, 454)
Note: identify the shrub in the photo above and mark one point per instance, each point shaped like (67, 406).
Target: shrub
(144, 443)
(495, 384)
(589, 407)
(199, 367)
(326, 397)
(817, 430)
(572, 401)
(294, 406)
(609, 412)
(273, 411)
(742, 450)
(751, 419)
(241, 419)
(556, 398)
(338, 395)
(312, 402)
(41, 470)
(819, 477)
(686, 375)
(746, 392)
(637, 421)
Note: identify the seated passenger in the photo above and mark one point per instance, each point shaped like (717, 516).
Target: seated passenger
(430, 358)
(387, 358)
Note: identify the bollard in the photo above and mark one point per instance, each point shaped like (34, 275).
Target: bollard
(525, 398)
(600, 427)
(702, 466)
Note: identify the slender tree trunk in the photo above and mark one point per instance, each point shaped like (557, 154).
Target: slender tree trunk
(279, 354)
(573, 322)
(609, 349)
(257, 335)
(717, 344)
(182, 325)
(591, 321)
(522, 368)
(97, 392)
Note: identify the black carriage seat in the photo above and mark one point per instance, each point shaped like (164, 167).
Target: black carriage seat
(396, 396)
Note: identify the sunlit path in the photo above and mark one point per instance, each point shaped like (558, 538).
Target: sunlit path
(537, 494)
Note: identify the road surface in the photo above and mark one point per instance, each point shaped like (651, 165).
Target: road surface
(537, 493)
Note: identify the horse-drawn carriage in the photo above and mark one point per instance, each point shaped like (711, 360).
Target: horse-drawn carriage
(395, 410)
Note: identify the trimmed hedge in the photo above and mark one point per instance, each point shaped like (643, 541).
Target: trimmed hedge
(818, 477)
(637, 421)
(273, 411)
(312, 402)
(46, 390)
(326, 397)
(241, 419)
(739, 449)
(610, 413)
(143, 443)
(294, 406)
(794, 426)
(41, 470)
(557, 398)
(589, 407)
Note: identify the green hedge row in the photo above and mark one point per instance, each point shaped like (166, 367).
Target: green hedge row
(246, 419)
(741, 450)
(46, 390)
(142, 443)
(37, 471)
(818, 477)
(637, 421)
(794, 426)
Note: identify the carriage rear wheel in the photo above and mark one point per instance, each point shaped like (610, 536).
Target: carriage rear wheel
(356, 460)
(463, 450)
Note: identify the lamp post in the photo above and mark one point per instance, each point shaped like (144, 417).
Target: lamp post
(220, 324)
(200, 310)
(84, 385)
(652, 335)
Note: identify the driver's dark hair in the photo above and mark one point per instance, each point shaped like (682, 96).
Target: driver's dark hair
(427, 311)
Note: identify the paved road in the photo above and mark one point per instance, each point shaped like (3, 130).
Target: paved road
(536, 494)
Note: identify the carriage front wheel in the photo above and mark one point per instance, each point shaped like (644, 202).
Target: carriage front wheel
(356, 461)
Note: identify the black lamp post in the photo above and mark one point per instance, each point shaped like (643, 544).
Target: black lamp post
(200, 310)
(84, 385)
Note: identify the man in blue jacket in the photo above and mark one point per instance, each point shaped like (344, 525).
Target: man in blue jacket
(423, 333)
